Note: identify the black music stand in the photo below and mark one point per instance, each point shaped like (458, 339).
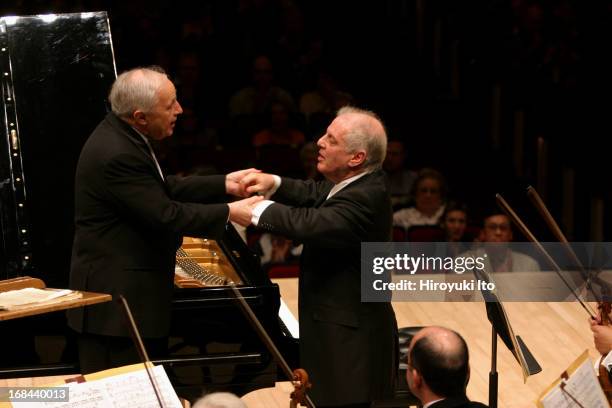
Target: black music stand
(500, 325)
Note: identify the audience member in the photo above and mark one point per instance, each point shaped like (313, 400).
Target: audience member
(326, 98)
(401, 180)
(438, 369)
(429, 194)
(256, 98)
(279, 131)
(454, 221)
(498, 256)
(497, 229)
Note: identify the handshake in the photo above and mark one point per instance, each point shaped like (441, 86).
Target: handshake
(244, 183)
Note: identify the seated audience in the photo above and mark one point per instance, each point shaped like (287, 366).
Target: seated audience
(429, 194)
(247, 107)
(438, 369)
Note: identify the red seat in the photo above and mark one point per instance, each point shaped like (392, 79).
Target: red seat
(399, 234)
(425, 233)
(283, 271)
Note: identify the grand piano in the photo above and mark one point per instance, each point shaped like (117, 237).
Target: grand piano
(56, 71)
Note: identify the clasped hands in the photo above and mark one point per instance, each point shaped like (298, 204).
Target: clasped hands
(244, 183)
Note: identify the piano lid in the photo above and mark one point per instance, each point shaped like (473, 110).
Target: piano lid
(56, 70)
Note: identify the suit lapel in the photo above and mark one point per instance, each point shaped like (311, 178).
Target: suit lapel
(136, 140)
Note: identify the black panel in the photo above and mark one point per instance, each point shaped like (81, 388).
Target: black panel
(60, 68)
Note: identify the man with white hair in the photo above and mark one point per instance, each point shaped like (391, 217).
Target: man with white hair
(347, 347)
(130, 218)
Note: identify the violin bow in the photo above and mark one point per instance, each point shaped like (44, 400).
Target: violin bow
(523, 228)
(142, 352)
(538, 203)
(265, 338)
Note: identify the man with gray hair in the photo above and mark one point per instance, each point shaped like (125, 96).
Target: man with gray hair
(130, 218)
(348, 348)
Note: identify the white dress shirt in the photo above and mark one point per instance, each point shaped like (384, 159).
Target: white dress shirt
(146, 140)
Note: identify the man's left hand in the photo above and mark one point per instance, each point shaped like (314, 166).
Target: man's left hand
(233, 185)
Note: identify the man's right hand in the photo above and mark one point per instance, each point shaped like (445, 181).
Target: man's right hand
(232, 182)
(257, 182)
(241, 211)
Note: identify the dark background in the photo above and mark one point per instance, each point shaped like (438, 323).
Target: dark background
(471, 87)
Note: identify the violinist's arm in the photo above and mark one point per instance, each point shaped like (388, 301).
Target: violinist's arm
(602, 337)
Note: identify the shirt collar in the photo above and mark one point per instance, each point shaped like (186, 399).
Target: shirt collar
(344, 183)
(430, 403)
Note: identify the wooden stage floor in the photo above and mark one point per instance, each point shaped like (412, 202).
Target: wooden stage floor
(556, 334)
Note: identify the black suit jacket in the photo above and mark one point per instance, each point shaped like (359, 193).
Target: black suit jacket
(347, 347)
(129, 223)
(457, 402)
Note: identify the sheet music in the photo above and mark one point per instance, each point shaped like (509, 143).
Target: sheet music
(20, 298)
(583, 385)
(127, 390)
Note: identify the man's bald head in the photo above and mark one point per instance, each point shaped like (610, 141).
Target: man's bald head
(441, 357)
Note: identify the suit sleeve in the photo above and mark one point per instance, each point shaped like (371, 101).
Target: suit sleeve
(301, 193)
(139, 195)
(197, 189)
(343, 221)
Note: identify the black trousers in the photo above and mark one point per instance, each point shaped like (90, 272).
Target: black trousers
(98, 352)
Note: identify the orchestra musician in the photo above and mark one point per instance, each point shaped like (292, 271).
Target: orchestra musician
(348, 348)
(438, 369)
(130, 218)
(602, 336)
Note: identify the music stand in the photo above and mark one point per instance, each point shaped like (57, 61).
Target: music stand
(500, 325)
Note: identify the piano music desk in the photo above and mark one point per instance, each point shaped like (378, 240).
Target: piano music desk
(88, 298)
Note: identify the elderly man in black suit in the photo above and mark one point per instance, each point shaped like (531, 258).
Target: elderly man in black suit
(349, 348)
(438, 369)
(130, 219)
